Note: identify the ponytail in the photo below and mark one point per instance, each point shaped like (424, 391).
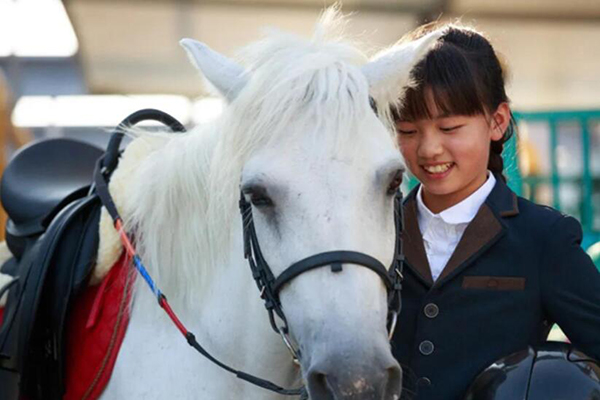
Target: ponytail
(496, 162)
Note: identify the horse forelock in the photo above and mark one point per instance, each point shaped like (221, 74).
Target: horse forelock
(185, 208)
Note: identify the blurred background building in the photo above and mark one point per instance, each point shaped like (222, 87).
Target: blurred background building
(77, 67)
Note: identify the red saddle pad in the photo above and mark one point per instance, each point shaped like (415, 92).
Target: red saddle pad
(95, 332)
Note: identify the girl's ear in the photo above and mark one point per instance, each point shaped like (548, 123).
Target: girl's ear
(500, 121)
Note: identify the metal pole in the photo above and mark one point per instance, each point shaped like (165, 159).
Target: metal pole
(555, 179)
(588, 208)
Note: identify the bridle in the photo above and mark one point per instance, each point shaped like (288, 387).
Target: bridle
(268, 285)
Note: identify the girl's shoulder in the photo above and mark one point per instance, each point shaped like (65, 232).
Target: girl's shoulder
(536, 210)
(522, 213)
(547, 220)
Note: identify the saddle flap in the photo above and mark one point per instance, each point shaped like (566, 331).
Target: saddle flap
(50, 272)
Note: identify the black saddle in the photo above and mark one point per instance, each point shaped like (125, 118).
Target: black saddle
(40, 180)
(52, 232)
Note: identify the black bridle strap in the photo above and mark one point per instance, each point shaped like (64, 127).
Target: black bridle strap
(269, 286)
(335, 259)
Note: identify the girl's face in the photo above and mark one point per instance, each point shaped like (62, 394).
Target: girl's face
(449, 154)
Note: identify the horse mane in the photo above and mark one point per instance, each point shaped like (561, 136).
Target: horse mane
(182, 206)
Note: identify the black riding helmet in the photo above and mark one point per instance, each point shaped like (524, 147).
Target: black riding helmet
(551, 371)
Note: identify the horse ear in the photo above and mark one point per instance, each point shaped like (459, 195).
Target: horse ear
(388, 73)
(228, 77)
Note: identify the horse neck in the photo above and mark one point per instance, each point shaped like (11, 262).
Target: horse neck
(230, 321)
(237, 313)
(214, 296)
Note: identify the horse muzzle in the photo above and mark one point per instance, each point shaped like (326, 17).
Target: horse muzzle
(352, 376)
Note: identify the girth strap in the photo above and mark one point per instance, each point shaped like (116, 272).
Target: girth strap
(335, 259)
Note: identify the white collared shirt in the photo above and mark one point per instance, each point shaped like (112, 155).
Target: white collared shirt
(442, 232)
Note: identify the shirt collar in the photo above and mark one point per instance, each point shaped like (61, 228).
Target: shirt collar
(461, 213)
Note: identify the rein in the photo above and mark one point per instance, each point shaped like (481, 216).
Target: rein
(266, 282)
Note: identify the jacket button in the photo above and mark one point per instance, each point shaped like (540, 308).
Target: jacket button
(426, 347)
(423, 381)
(431, 310)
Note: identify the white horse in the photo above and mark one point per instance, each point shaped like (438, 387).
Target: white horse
(302, 141)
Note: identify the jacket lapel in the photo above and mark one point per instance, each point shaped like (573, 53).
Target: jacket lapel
(414, 250)
(480, 234)
(485, 229)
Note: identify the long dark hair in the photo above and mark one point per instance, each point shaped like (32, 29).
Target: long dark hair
(464, 76)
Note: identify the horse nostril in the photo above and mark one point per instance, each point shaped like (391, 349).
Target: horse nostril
(393, 388)
(318, 387)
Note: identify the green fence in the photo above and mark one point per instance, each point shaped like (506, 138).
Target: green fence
(569, 142)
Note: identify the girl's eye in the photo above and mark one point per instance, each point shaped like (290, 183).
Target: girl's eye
(405, 128)
(451, 128)
(395, 183)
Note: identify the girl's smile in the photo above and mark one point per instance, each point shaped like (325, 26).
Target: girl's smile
(438, 171)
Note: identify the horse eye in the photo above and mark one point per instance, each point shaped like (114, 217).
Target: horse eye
(395, 183)
(258, 196)
(260, 200)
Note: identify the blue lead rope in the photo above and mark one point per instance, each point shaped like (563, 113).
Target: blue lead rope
(142, 270)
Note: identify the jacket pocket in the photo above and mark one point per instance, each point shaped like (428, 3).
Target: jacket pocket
(493, 283)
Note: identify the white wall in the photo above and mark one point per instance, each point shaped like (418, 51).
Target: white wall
(132, 47)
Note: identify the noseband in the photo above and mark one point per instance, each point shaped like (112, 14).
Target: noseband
(270, 286)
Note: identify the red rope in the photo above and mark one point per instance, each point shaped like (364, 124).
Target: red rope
(162, 300)
(124, 239)
(165, 306)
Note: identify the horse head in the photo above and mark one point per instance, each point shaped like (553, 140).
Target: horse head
(321, 172)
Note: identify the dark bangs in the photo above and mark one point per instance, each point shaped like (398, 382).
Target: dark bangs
(447, 78)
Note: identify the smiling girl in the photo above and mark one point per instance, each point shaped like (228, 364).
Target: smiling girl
(488, 272)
